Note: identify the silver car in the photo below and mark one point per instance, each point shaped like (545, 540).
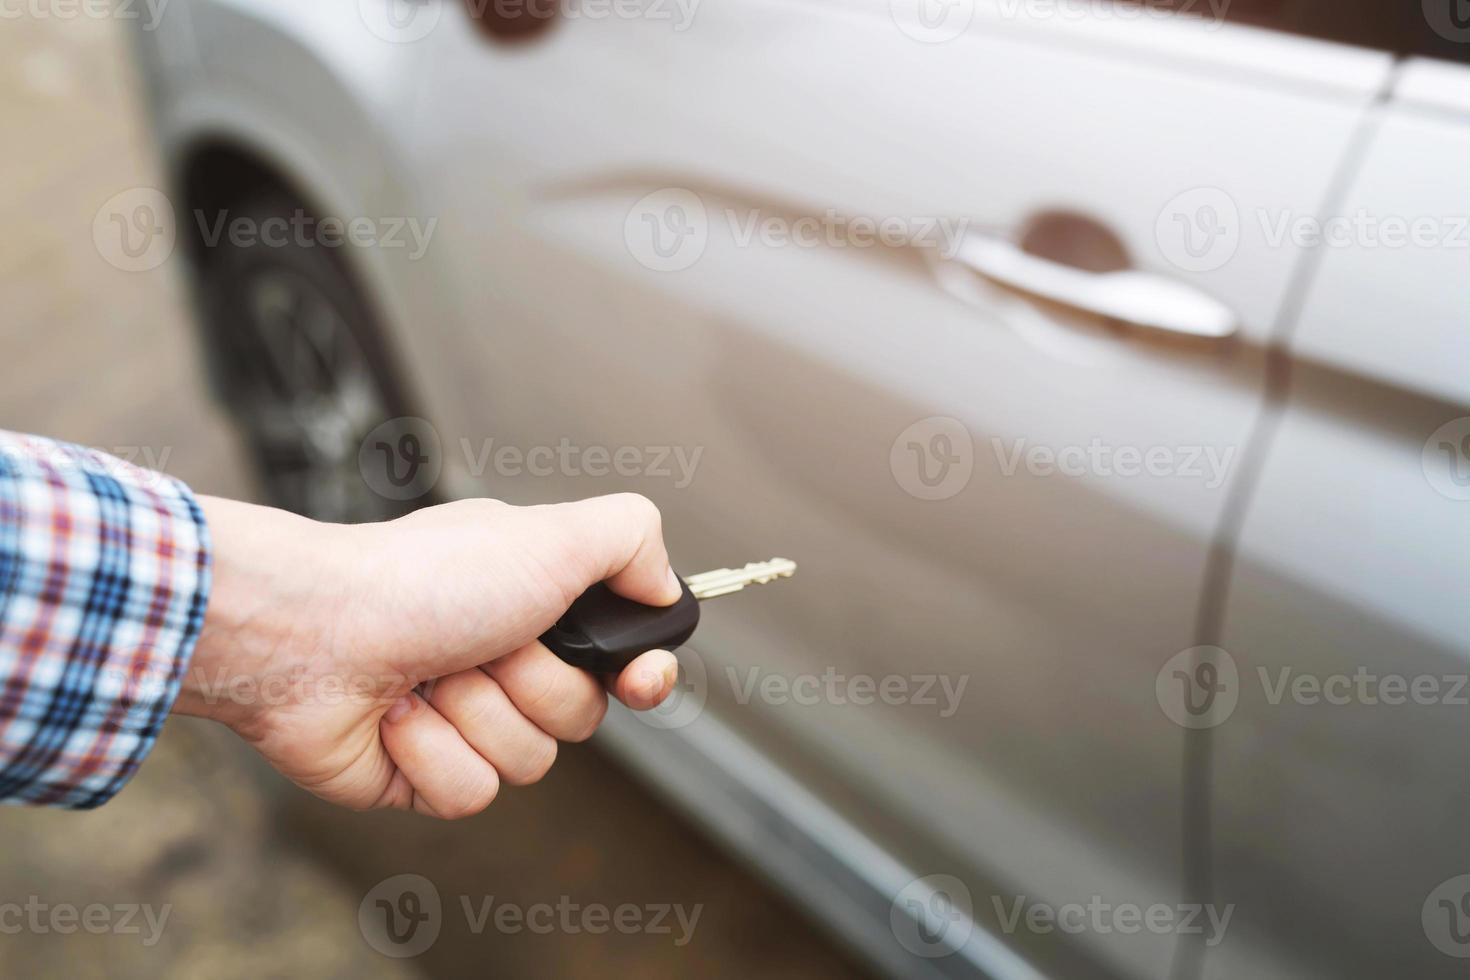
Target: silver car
(1102, 365)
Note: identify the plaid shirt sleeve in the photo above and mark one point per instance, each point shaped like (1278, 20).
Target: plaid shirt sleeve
(104, 576)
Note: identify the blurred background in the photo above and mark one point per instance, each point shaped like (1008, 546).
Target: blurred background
(262, 880)
(1100, 363)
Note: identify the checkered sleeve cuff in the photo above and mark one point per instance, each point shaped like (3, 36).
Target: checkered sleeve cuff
(104, 576)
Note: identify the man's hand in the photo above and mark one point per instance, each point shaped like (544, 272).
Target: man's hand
(397, 664)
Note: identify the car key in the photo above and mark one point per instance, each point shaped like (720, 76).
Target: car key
(603, 632)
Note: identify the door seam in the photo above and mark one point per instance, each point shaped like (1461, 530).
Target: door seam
(1198, 773)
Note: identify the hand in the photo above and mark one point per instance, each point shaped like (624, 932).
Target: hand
(397, 664)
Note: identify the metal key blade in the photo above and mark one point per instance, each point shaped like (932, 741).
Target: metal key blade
(723, 581)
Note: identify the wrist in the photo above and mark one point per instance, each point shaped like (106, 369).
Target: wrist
(270, 589)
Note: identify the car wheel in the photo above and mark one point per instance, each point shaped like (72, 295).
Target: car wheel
(298, 358)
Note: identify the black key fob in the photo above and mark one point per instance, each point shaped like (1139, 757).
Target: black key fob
(603, 632)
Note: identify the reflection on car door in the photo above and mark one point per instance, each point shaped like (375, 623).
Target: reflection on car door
(1340, 796)
(983, 489)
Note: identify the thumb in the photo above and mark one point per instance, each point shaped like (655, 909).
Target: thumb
(616, 539)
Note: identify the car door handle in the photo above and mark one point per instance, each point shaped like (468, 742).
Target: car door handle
(1144, 299)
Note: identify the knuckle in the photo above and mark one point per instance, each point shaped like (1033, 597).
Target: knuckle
(585, 725)
(644, 511)
(461, 698)
(536, 763)
(473, 802)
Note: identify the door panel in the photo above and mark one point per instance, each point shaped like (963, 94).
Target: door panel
(796, 372)
(1340, 796)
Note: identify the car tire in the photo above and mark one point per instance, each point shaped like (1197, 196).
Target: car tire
(297, 356)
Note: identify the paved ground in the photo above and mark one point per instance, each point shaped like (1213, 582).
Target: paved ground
(259, 879)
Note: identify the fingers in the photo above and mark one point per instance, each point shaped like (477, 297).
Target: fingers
(450, 779)
(617, 539)
(647, 681)
(501, 722)
(564, 702)
(475, 703)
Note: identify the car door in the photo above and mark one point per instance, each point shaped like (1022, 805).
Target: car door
(663, 231)
(1340, 794)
